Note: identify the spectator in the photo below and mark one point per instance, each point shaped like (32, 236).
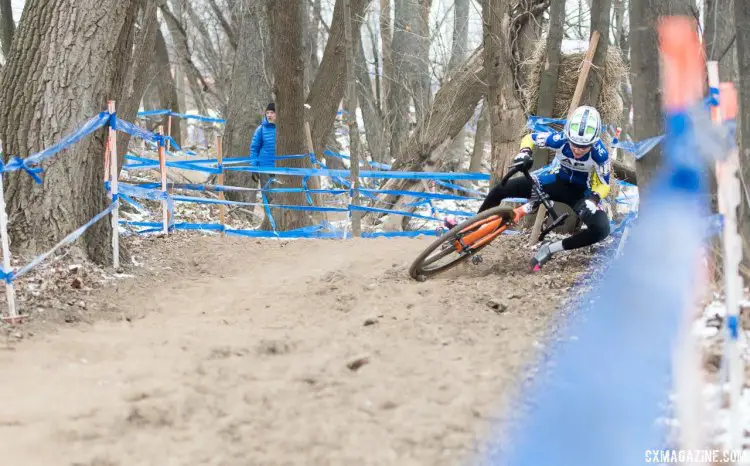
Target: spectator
(263, 146)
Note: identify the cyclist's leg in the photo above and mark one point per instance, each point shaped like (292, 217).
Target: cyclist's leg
(517, 186)
(597, 225)
(597, 228)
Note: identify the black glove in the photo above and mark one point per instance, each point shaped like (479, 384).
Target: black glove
(587, 207)
(523, 159)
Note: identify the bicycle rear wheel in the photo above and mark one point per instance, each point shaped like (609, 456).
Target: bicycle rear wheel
(461, 242)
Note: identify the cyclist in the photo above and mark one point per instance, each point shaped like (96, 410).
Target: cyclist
(580, 179)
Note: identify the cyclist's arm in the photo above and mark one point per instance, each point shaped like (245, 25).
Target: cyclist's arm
(600, 178)
(550, 140)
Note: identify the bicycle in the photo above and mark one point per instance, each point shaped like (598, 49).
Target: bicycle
(468, 238)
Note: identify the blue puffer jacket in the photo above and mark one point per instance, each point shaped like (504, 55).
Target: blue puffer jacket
(263, 146)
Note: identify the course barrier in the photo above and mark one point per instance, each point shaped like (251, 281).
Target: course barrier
(628, 342)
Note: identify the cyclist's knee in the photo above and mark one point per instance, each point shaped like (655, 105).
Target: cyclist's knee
(599, 226)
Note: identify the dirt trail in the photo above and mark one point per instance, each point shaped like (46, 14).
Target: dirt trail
(239, 355)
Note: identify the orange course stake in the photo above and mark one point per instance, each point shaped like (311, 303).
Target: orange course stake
(683, 63)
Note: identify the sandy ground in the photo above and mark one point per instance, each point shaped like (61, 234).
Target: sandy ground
(244, 352)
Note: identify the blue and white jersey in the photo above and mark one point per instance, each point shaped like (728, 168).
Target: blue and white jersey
(592, 170)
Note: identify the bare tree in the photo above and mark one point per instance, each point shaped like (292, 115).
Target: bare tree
(600, 12)
(644, 54)
(386, 39)
(719, 37)
(548, 86)
(480, 139)
(456, 151)
(249, 94)
(505, 109)
(66, 93)
(7, 26)
(289, 69)
(410, 80)
(742, 23)
(327, 89)
(166, 85)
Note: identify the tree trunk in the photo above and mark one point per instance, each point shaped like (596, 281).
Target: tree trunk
(622, 40)
(229, 30)
(409, 56)
(386, 38)
(139, 72)
(548, 86)
(719, 37)
(248, 96)
(455, 102)
(289, 67)
(480, 139)
(600, 12)
(456, 151)
(742, 22)
(196, 81)
(460, 34)
(647, 111)
(66, 93)
(167, 87)
(505, 110)
(368, 104)
(330, 83)
(7, 26)
(314, 34)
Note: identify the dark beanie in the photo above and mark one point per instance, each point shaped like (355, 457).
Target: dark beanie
(271, 107)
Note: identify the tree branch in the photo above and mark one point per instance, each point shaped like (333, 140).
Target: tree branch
(228, 29)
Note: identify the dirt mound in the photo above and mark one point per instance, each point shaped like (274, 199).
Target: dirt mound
(271, 352)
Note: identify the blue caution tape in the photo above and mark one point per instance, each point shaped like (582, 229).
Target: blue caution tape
(365, 173)
(459, 188)
(67, 240)
(733, 327)
(87, 128)
(597, 401)
(184, 116)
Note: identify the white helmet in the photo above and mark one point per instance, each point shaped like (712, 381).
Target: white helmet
(584, 127)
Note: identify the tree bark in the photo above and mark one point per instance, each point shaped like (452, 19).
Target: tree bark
(139, 71)
(368, 104)
(548, 86)
(289, 67)
(167, 87)
(505, 110)
(647, 111)
(742, 23)
(329, 85)
(249, 94)
(480, 139)
(386, 38)
(71, 81)
(600, 12)
(7, 26)
(196, 81)
(410, 59)
(456, 151)
(225, 24)
(719, 37)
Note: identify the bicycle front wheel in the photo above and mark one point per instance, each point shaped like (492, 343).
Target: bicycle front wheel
(461, 242)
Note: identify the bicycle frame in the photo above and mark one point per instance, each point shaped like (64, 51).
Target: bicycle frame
(492, 227)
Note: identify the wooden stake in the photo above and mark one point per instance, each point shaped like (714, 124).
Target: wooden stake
(113, 176)
(169, 128)
(220, 158)
(729, 196)
(163, 172)
(582, 77)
